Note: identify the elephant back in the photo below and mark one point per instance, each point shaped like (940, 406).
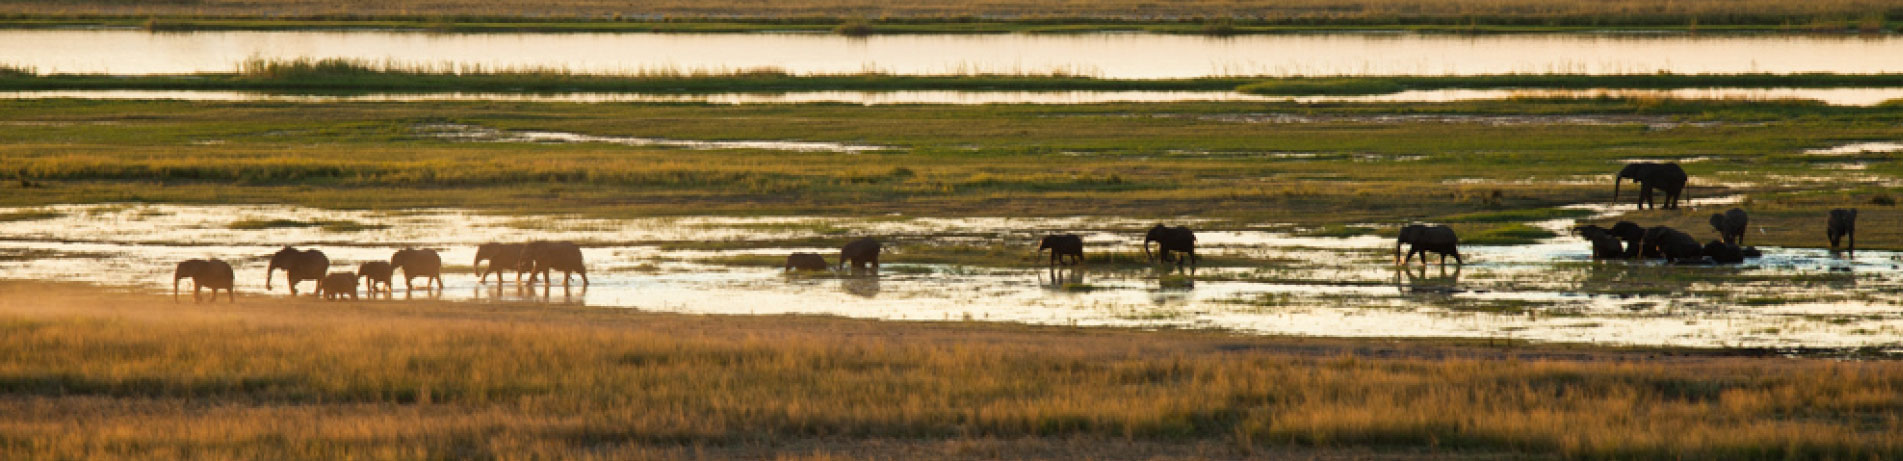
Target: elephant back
(561, 256)
(417, 262)
(216, 274)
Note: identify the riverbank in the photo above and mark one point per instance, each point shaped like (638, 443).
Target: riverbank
(356, 76)
(418, 378)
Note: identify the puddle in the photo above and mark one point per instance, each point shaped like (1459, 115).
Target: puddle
(1858, 148)
(1255, 279)
(482, 134)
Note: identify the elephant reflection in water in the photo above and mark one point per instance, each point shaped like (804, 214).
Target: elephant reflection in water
(1441, 283)
(1062, 278)
(861, 282)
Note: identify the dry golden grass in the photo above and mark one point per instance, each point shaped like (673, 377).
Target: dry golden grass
(1541, 12)
(86, 373)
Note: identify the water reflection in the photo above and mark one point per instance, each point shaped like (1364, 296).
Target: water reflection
(1834, 96)
(1300, 286)
(1118, 55)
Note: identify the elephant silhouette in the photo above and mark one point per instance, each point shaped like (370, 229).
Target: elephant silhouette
(1632, 234)
(1673, 245)
(501, 256)
(540, 257)
(419, 263)
(1422, 239)
(336, 285)
(1605, 245)
(1724, 253)
(805, 262)
(1842, 224)
(1665, 177)
(375, 272)
(214, 274)
(298, 266)
(1170, 240)
(860, 254)
(1063, 246)
(1730, 225)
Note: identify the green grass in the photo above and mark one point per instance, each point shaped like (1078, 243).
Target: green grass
(327, 225)
(1511, 234)
(29, 215)
(349, 75)
(1134, 160)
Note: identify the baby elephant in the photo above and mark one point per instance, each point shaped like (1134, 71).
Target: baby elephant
(337, 284)
(805, 262)
(1605, 245)
(1063, 245)
(1843, 223)
(375, 272)
(214, 274)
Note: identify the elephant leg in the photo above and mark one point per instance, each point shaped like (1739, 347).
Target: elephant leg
(231, 294)
(584, 277)
(196, 290)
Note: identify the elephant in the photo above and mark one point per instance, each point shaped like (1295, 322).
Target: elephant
(1724, 253)
(540, 257)
(1168, 240)
(1843, 223)
(805, 262)
(337, 284)
(1631, 235)
(1673, 245)
(1062, 245)
(1422, 239)
(1605, 245)
(376, 272)
(1730, 226)
(501, 256)
(298, 266)
(860, 253)
(214, 274)
(1667, 177)
(419, 263)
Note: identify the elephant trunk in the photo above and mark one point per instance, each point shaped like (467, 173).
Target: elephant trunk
(269, 271)
(1615, 188)
(1397, 252)
(175, 279)
(477, 264)
(1146, 249)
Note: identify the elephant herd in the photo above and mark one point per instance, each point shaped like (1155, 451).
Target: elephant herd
(538, 259)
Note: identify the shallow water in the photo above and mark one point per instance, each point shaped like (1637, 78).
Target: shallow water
(1109, 55)
(1254, 279)
(1833, 96)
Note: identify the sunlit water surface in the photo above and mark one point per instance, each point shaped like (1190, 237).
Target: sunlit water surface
(1548, 291)
(1108, 55)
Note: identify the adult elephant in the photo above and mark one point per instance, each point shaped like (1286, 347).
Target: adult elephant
(1169, 240)
(539, 258)
(1842, 223)
(805, 262)
(1665, 177)
(1062, 246)
(861, 253)
(1724, 253)
(214, 274)
(1422, 239)
(298, 266)
(419, 263)
(1632, 234)
(501, 256)
(1672, 244)
(1605, 245)
(1730, 226)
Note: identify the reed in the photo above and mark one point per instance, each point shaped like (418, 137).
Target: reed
(94, 374)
